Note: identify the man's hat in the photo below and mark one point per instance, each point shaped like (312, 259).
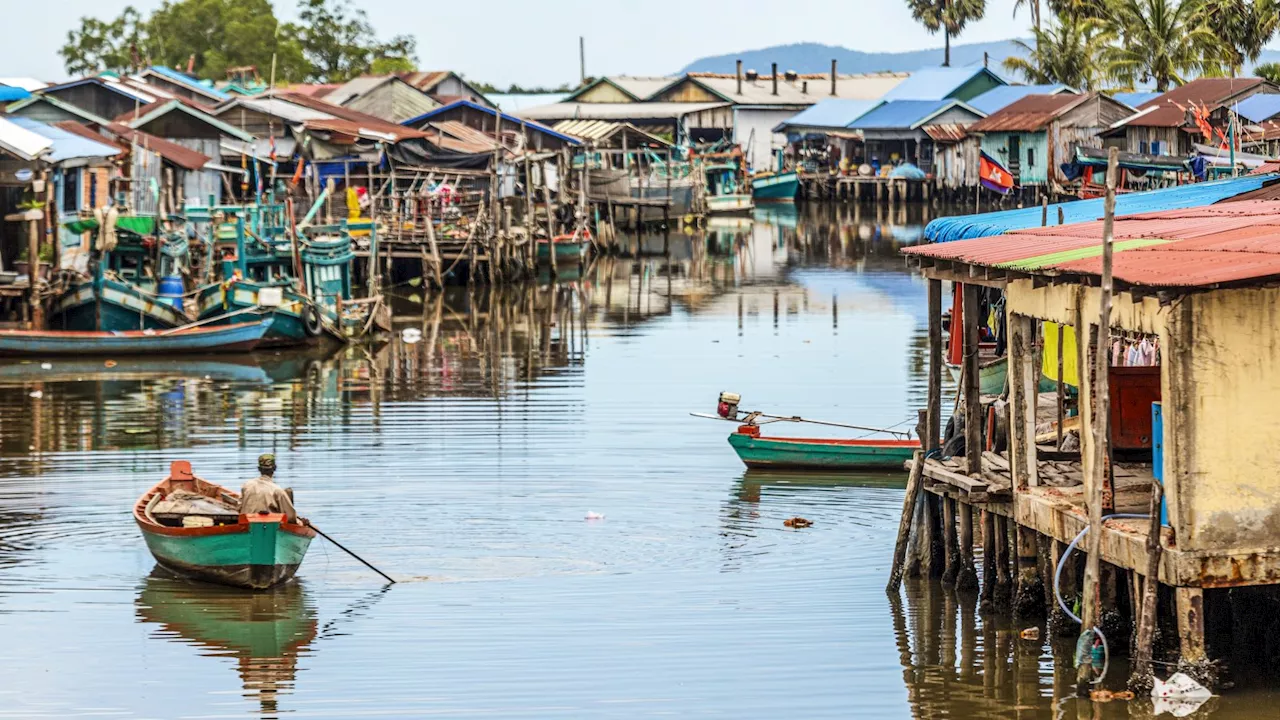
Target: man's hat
(267, 462)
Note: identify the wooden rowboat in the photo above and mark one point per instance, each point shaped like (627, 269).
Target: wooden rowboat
(569, 248)
(241, 337)
(820, 454)
(194, 528)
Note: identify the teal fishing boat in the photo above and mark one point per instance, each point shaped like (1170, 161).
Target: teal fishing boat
(726, 188)
(775, 187)
(570, 249)
(240, 337)
(130, 283)
(818, 453)
(194, 528)
(303, 278)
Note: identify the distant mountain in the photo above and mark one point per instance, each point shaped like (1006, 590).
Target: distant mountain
(816, 58)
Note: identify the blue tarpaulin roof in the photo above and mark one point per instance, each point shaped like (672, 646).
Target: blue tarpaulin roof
(936, 83)
(964, 227)
(1134, 99)
(999, 98)
(904, 114)
(12, 94)
(1258, 108)
(835, 113)
(184, 79)
(66, 145)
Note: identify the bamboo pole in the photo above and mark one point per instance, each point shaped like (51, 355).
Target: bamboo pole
(1091, 612)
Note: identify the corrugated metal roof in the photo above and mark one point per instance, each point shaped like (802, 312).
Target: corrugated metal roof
(354, 88)
(26, 83)
(65, 145)
(459, 137)
(440, 112)
(1194, 247)
(946, 133)
(960, 227)
(187, 81)
(639, 87)
(833, 113)
(1257, 108)
(905, 114)
(183, 157)
(602, 129)
(667, 111)
(937, 83)
(1029, 114)
(349, 119)
(805, 90)
(20, 142)
(1135, 99)
(999, 98)
(1170, 109)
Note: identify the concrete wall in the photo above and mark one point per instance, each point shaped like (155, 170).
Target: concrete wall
(759, 148)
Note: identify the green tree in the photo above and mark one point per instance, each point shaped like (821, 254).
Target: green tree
(105, 45)
(1243, 27)
(339, 42)
(949, 16)
(1269, 71)
(1066, 52)
(1161, 42)
(215, 35)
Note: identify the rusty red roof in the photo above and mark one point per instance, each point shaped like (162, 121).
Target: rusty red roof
(1196, 247)
(183, 157)
(1029, 114)
(946, 132)
(1170, 109)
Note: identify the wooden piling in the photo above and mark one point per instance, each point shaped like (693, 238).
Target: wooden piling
(1095, 459)
(1189, 603)
(949, 540)
(990, 558)
(1004, 582)
(1141, 677)
(904, 524)
(967, 579)
(935, 552)
(1029, 596)
(970, 383)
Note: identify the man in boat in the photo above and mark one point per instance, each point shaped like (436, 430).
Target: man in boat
(262, 494)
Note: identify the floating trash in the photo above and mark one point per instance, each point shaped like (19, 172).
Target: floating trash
(797, 522)
(594, 515)
(37, 394)
(411, 335)
(46, 366)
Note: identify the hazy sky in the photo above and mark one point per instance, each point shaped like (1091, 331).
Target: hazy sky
(505, 41)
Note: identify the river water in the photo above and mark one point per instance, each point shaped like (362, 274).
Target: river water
(466, 464)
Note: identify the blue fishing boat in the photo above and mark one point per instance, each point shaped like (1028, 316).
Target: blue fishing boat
(727, 190)
(302, 278)
(775, 187)
(240, 337)
(121, 291)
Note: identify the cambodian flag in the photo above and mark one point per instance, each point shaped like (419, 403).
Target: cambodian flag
(993, 175)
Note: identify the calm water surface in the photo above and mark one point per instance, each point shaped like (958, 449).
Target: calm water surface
(466, 463)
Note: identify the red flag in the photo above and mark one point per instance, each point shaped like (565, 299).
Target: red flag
(993, 175)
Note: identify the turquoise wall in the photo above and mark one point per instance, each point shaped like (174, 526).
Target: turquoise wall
(1037, 173)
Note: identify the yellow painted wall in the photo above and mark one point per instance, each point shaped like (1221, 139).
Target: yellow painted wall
(1220, 383)
(687, 91)
(1229, 419)
(604, 93)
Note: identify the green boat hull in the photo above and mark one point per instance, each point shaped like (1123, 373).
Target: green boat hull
(991, 377)
(262, 556)
(566, 252)
(778, 187)
(820, 454)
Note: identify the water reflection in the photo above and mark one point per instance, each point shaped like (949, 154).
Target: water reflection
(265, 632)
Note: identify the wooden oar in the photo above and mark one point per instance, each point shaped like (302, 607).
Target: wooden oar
(325, 535)
(798, 419)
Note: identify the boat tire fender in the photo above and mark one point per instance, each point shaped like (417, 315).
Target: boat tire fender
(311, 321)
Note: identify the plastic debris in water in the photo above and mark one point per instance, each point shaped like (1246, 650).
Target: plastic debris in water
(411, 335)
(37, 394)
(591, 515)
(1179, 696)
(797, 522)
(46, 366)
(1108, 696)
(1031, 633)
(109, 363)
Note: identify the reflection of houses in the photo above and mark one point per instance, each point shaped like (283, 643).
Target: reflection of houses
(1036, 134)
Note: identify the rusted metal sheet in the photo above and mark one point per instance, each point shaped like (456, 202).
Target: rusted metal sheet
(946, 132)
(1031, 113)
(1170, 109)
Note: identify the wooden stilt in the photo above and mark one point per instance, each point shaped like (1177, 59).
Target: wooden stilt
(967, 580)
(990, 559)
(1190, 608)
(1004, 584)
(904, 525)
(1141, 677)
(970, 383)
(1029, 598)
(933, 421)
(949, 540)
(934, 549)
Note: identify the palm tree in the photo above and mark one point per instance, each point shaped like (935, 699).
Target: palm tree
(949, 16)
(1243, 27)
(1161, 41)
(1033, 6)
(1065, 52)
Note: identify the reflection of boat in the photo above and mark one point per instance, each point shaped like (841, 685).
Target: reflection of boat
(194, 528)
(824, 454)
(204, 339)
(569, 248)
(238, 368)
(265, 632)
(775, 187)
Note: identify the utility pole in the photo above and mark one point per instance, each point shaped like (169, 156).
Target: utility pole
(582, 59)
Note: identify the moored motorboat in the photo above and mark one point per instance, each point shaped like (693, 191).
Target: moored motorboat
(779, 453)
(241, 337)
(194, 528)
(569, 248)
(775, 186)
